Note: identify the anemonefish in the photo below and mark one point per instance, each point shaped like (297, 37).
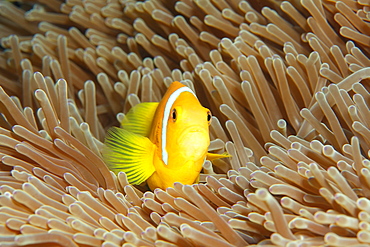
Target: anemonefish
(161, 143)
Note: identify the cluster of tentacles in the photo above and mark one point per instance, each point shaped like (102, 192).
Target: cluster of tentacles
(288, 85)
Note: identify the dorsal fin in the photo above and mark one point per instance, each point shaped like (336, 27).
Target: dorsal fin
(139, 118)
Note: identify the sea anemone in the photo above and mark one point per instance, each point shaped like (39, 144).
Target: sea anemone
(286, 81)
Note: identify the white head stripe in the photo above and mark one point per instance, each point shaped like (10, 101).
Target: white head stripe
(171, 100)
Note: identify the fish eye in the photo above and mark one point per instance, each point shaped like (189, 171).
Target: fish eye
(174, 115)
(209, 117)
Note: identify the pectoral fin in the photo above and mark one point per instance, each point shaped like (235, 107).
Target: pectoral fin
(129, 152)
(212, 156)
(139, 118)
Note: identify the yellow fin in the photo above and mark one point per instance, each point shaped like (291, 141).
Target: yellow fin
(130, 153)
(212, 156)
(139, 118)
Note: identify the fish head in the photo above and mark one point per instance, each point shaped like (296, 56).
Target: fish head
(187, 131)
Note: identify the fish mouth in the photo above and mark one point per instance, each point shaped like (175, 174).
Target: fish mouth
(195, 132)
(195, 129)
(194, 141)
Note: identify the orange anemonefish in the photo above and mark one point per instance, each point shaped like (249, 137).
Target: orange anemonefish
(162, 143)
